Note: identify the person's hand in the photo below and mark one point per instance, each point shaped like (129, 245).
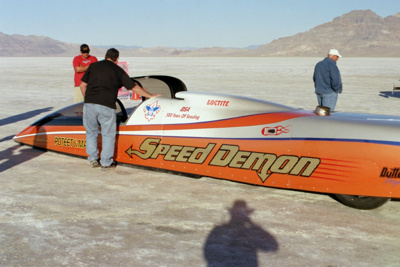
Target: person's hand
(155, 95)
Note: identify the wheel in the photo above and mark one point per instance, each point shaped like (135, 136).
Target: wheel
(360, 202)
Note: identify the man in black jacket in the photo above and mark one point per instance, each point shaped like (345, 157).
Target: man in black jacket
(99, 86)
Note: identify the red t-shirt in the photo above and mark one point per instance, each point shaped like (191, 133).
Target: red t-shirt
(80, 61)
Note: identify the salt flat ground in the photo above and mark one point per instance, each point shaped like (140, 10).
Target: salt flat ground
(56, 211)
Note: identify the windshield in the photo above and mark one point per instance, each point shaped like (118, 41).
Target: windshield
(73, 116)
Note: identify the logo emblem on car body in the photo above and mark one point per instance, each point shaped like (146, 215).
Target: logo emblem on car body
(150, 111)
(277, 130)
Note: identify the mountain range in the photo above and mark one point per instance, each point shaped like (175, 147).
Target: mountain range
(359, 33)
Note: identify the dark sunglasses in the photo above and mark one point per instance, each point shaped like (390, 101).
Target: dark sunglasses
(85, 51)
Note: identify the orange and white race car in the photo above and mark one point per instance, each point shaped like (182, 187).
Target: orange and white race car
(351, 156)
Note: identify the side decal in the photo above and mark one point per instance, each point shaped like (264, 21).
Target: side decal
(392, 173)
(152, 149)
(264, 164)
(275, 130)
(150, 111)
(70, 142)
(216, 102)
(391, 182)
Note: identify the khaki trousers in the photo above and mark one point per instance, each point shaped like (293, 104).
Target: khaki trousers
(78, 97)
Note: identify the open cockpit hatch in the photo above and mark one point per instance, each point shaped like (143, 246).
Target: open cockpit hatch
(166, 86)
(72, 115)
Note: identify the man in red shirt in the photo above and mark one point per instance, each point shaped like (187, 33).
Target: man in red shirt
(81, 63)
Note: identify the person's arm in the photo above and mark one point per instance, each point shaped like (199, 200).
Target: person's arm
(83, 87)
(81, 68)
(140, 91)
(77, 64)
(135, 87)
(336, 80)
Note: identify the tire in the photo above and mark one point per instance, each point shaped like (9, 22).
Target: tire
(360, 202)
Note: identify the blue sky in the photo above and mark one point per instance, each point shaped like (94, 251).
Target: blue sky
(176, 23)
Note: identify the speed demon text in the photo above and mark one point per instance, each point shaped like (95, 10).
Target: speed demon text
(264, 164)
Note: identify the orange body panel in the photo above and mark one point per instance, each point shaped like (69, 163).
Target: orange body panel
(301, 165)
(319, 166)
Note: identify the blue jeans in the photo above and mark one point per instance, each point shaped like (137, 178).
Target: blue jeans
(94, 116)
(328, 100)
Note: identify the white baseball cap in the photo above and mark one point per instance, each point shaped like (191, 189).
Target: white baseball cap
(334, 52)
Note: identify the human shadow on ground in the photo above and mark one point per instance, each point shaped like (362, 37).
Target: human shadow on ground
(12, 157)
(24, 116)
(388, 94)
(237, 242)
(7, 138)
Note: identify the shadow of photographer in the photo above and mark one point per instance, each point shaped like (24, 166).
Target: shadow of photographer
(237, 242)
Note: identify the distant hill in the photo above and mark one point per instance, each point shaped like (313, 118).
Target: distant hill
(359, 33)
(26, 46)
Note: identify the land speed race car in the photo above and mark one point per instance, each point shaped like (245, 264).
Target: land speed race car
(354, 157)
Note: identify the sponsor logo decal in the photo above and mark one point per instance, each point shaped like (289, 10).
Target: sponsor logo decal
(185, 109)
(264, 164)
(221, 103)
(277, 130)
(392, 173)
(182, 116)
(70, 142)
(392, 176)
(392, 182)
(185, 115)
(150, 111)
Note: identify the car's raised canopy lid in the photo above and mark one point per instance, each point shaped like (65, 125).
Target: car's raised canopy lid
(167, 86)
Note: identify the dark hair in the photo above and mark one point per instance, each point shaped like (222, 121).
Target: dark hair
(112, 54)
(84, 47)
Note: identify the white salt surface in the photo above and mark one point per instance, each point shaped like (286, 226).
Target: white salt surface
(367, 82)
(56, 211)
